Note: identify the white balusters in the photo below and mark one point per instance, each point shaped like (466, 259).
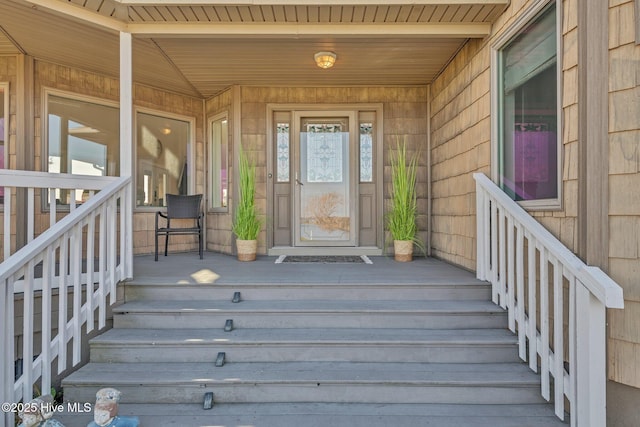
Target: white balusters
(58, 253)
(502, 228)
(522, 326)
(558, 338)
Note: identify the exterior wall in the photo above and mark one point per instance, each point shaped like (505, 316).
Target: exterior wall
(624, 200)
(219, 235)
(79, 82)
(461, 141)
(404, 116)
(460, 134)
(460, 145)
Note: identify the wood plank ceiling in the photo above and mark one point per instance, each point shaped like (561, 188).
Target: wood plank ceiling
(200, 48)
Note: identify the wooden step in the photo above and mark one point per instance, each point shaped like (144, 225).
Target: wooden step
(332, 414)
(329, 382)
(310, 314)
(429, 290)
(289, 345)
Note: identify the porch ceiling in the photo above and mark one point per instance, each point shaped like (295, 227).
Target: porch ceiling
(200, 48)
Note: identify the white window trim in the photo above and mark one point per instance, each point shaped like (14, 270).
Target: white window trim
(210, 120)
(45, 115)
(4, 87)
(44, 149)
(190, 152)
(496, 46)
(637, 15)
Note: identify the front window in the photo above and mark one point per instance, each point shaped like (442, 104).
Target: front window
(83, 138)
(528, 149)
(163, 158)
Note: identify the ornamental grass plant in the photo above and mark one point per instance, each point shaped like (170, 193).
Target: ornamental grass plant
(402, 217)
(247, 223)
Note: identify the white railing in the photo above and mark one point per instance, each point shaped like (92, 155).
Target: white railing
(52, 185)
(556, 303)
(84, 255)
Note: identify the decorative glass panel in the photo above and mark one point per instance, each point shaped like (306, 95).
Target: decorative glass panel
(324, 153)
(282, 157)
(366, 152)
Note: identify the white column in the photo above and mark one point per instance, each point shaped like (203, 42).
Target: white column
(126, 144)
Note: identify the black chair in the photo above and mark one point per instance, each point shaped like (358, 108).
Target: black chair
(180, 207)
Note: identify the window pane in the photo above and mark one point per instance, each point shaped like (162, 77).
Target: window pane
(282, 143)
(366, 152)
(162, 158)
(219, 162)
(83, 138)
(529, 148)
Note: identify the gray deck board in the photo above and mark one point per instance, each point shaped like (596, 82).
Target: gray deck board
(335, 415)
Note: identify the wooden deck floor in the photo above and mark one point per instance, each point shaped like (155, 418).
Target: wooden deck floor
(187, 268)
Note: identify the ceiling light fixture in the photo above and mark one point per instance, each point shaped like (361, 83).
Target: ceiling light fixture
(325, 59)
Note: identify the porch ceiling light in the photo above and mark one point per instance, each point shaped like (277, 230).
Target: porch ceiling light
(325, 59)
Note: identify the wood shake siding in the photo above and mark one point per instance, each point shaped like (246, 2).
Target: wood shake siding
(461, 140)
(624, 184)
(404, 117)
(460, 145)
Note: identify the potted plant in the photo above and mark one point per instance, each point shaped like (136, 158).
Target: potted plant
(402, 216)
(246, 223)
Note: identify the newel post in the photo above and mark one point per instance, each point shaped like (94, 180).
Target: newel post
(590, 371)
(6, 351)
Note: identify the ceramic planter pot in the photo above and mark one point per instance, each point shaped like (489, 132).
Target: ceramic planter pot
(403, 250)
(247, 249)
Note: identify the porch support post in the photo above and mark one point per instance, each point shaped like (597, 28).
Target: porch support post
(126, 145)
(24, 141)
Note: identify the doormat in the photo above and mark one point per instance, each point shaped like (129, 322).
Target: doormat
(324, 259)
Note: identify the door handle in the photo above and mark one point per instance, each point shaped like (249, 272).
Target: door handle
(298, 182)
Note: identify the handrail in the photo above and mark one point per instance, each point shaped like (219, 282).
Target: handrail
(94, 232)
(68, 181)
(32, 180)
(530, 271)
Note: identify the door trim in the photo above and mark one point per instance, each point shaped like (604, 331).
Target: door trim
(272, 108)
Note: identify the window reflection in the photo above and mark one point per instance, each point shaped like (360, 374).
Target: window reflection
(529, 147)
(83, 138)
(162, 158)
